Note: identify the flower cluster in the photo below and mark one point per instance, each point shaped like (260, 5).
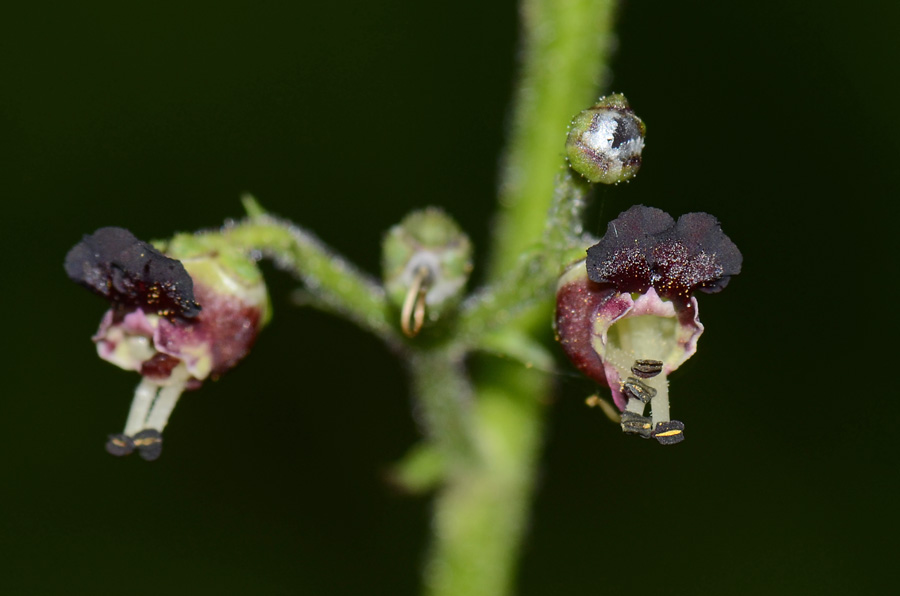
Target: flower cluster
(627, 315)
(176, 321)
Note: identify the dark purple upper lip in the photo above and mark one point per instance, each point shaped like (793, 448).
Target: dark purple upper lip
(113, 263)
(644, 247)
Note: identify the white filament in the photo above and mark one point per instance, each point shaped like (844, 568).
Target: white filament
(166, 399)
(153, 401)
(144, 396)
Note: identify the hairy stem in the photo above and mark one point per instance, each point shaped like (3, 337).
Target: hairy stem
(446, 398)
(481, 510)
(335, 284)
(532, 279)
(565, 44)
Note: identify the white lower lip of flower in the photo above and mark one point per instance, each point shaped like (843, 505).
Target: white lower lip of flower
(154, 401)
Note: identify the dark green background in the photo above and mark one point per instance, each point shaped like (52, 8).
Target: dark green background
(778, 117)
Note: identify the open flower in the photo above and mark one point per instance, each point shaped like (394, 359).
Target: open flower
(175, 321)
(627, 315)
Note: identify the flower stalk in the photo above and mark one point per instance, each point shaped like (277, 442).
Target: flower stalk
(336, 284)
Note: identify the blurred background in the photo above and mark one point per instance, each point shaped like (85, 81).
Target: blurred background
(778, 117)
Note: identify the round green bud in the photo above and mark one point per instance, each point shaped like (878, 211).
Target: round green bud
(429, 255)
(606, 140)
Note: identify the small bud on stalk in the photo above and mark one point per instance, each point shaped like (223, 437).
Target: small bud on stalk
(606, 140)
(426, 261)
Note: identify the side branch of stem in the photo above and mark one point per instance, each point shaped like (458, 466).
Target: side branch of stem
(333, 281)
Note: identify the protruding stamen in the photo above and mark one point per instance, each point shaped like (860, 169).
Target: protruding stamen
(635, 424)
(150, 410)
(165, 401)
(412, 316)
(148, 443)
(659, 405)
(144, 396)
(119, 445)
(653, 392)
(646, 369)
(634, 388)
(669, 432)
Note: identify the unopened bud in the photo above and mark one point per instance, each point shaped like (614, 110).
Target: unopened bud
(606, 140)
(426, 261)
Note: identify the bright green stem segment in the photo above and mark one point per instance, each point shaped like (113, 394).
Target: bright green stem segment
(481, 510)
(334, 283)
(533, 278)
(442, 387)
(565, 44)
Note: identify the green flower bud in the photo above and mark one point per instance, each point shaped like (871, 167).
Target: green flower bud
(605, 141)
(426, 261)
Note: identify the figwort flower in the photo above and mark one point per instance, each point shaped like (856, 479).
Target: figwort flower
(627, 316)
(175, 321)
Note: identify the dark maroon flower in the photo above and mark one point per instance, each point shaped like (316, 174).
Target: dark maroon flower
(155, 324)
(627, 316)
(127, 272)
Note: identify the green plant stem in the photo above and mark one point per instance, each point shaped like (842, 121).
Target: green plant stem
(335, 284)
(481, 510)
(447, 401)
(482, 507)
(565, 45)
(534, 275)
